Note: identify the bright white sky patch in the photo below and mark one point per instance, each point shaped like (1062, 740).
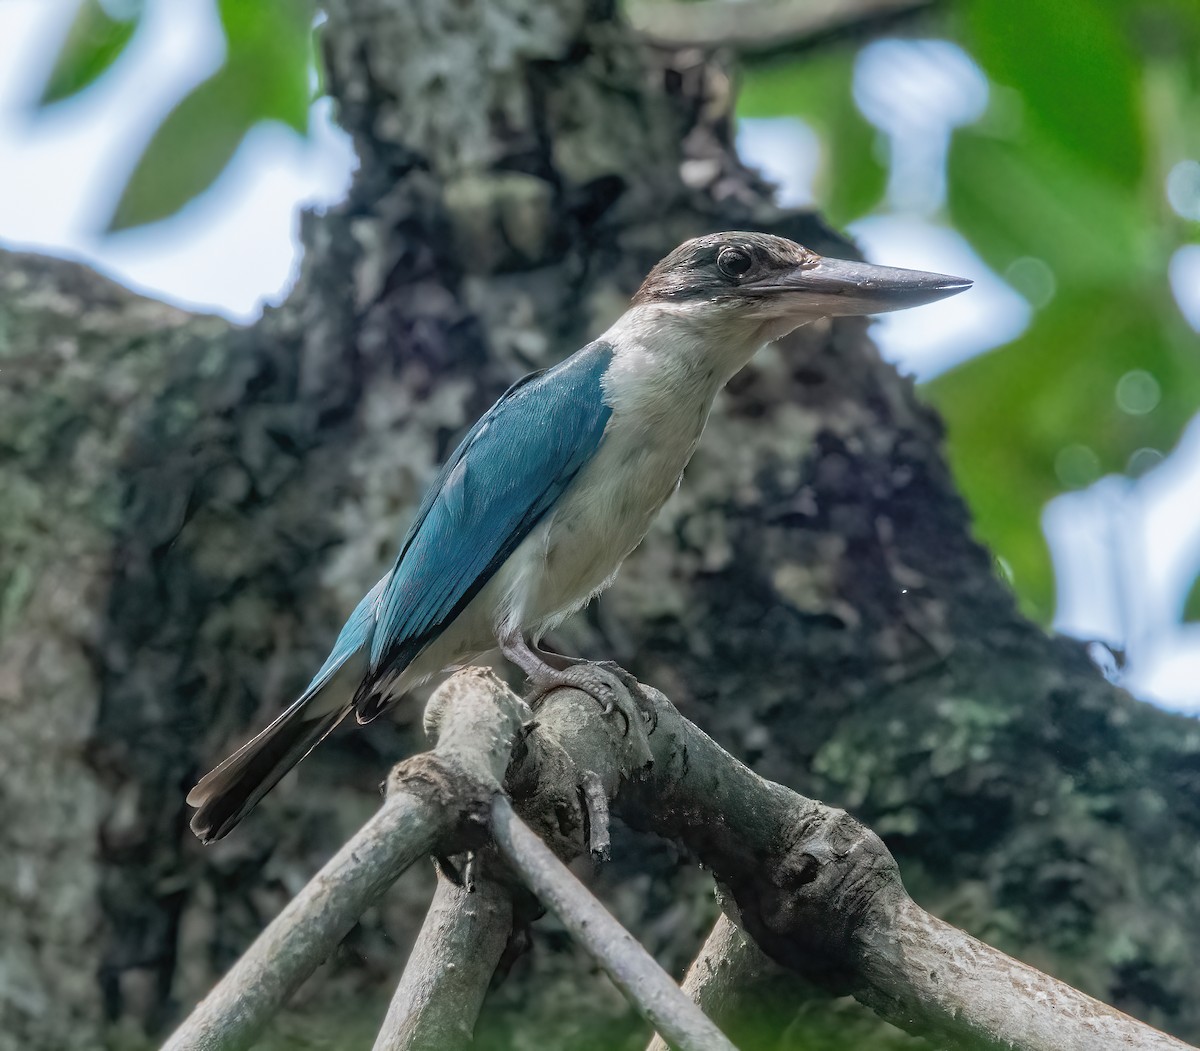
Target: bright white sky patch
(917, 92)
(230, 249)
(933, 338)
(1185, 282)
(787, 151)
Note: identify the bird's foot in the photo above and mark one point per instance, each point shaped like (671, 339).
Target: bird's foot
(643, 700)
(612, 687)
(560, 661)
(600, 684)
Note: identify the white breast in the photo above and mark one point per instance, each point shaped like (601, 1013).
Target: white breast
(661, 393)
(578, 549)
(665, 373)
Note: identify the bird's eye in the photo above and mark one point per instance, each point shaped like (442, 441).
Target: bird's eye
(734, 262)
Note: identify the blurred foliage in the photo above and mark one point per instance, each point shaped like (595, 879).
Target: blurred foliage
(1191, 605)
(1059, 188)
(822, 97)
(1091, 103)
(265, 76)
(94, 40)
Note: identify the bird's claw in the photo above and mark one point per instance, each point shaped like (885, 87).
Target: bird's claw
(616, 691)
(583, 677)
(645, 703)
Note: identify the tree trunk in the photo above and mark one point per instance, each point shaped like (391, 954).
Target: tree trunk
(189, 508)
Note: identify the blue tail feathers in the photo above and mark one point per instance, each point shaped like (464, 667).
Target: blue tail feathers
(227, 794)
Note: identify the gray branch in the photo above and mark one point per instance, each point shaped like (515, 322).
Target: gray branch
(448, 972)
(648, 987)
(919, 968)
(436, 802)
(728, 967)
(815, 890)
(821, 894)
(759, 26)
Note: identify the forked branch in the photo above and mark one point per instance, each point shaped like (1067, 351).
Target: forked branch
(450, 967)
(435, 801)
(822, 895)
(815, 890)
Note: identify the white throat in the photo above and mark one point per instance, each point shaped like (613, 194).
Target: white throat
(694, 346)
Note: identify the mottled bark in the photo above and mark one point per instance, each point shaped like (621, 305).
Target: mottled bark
(450, 968)
(189, 509)
(81, 360)
(438, 802)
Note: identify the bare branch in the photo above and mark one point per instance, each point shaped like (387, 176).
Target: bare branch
(727, 966)
(447, 975)
(819, 892)
(814, 888)
(436, 801)
(648, 987)
(822, 894)
(917, 965)
(758, 26)
(595, 804)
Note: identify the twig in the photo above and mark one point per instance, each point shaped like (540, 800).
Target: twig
(728, 965)
(436, 801)
(595, 803)
(822, 894)
(648, 987)
(444, 982)
(759, 26)
(816, 890)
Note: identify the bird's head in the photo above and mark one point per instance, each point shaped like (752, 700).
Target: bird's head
(765, 286)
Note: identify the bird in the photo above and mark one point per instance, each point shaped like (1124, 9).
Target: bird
(534, 512)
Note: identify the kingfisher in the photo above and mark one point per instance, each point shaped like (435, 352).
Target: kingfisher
(554, 486)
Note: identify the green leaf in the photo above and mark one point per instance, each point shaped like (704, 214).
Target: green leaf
(93, 43)
(1073, 65)
(1014, 197)
(265, 77)
(1191, 605)
(189, 150)
(272, 40)
(1022, 419)
(817, 89)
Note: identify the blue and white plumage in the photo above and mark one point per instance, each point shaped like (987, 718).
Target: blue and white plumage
(555, 485)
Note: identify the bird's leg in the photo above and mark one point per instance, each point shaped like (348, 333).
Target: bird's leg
(628, 679)
(608, 683)
(558, 661)
(545, 674)
(561, 661)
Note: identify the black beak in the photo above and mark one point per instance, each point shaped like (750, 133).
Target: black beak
(836, 287)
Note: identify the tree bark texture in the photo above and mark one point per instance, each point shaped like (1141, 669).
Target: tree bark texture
(189, 508)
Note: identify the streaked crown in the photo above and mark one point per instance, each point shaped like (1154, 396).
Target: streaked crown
(721, 264)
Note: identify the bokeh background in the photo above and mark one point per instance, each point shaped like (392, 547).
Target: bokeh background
(192, 501)
(172, 143)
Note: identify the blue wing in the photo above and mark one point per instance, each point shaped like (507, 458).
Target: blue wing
(503, 477)
(355, 634)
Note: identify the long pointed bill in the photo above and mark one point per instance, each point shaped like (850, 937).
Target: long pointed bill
(836, 287)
